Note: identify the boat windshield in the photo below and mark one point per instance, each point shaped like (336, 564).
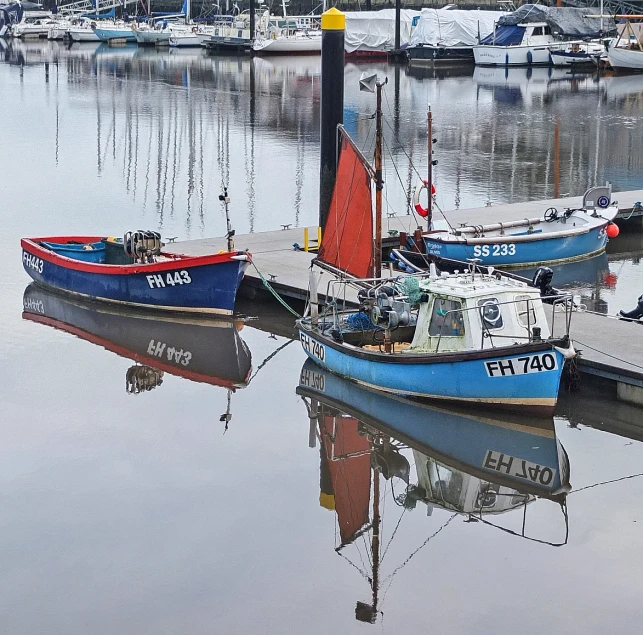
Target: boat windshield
(446, 318)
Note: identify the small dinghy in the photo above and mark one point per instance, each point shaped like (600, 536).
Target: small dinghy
(135, 272)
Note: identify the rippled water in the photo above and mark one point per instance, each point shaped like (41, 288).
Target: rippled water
(142, 495)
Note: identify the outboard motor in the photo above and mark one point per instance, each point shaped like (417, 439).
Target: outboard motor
(634, 314)
(542, 279)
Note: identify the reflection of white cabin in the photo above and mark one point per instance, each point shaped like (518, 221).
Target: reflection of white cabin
(454, 490)
(463, 316)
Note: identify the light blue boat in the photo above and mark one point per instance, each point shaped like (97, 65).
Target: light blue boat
(560, 235)
(468, 338)
(107, 34)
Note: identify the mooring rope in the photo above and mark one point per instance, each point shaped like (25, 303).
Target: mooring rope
(608, 355)
(277, 296)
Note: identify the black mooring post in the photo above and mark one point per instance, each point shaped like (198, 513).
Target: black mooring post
(333, 23)
(252, 20)
(398, 9)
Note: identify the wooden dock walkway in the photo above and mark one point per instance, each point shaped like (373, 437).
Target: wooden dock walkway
(610, 348)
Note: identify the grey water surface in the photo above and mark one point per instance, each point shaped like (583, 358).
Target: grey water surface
(141, 513)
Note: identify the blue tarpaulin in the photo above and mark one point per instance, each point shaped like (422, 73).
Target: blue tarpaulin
(10, 14)
(505, 36)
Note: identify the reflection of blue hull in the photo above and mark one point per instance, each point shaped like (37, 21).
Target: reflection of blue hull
(536, 250)
(459, 439)
(586, 271)
(464, 377)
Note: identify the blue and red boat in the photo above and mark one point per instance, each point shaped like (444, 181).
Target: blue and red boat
(136, 272)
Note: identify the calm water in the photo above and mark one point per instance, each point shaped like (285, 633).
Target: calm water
(140, 513)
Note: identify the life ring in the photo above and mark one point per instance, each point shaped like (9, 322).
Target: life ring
(422, 211)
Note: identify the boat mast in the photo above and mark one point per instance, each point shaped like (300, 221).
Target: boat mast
(379, 184)
(429, 183)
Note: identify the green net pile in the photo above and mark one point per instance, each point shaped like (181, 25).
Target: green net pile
(410, 286)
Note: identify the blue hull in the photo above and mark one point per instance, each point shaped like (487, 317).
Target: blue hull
(497, 379)
(456, 438)
(535, 251)
(208, 288)
(104, 35)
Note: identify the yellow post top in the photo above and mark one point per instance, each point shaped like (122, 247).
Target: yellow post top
(333, 20)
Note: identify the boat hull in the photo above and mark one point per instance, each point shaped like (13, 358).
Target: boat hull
(83, 35)
(206, 284)
(568, 58)
(626, 59)
(465, 377)
(105, 35)
(288, 45)
(503, 252)
(489, 55)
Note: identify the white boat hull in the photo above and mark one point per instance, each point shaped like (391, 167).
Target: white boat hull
(522, 55)
(157, 38)
(628, 59)
(82, 35)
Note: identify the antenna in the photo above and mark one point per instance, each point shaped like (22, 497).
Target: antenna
(225, 199)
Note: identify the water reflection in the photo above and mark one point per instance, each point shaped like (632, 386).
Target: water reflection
(209, 351)
(466, 464)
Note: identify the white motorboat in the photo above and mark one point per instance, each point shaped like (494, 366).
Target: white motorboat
(33, 29)
(159, 34)
(528, 36)
(529, 46)
(288, 41)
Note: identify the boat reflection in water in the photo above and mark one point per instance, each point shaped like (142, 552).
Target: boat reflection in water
(202, 350)
(467, 463)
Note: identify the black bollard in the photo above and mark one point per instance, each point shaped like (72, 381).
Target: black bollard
(333, 24)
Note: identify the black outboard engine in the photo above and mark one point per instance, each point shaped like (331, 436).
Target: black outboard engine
(634, 314)
(542, 280)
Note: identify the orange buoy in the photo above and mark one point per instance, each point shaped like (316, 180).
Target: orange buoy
(612, 230)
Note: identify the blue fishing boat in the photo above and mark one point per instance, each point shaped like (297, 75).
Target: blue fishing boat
(471, 336)
(557, 236)
(135, 272)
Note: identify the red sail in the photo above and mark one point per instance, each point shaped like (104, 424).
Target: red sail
(350, 474)
(347, 241)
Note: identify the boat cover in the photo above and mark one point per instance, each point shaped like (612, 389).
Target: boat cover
(562, 20)
(505, 36)
(10, 14)
(375, 30)
(453, 27)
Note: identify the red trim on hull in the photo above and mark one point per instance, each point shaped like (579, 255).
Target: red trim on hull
(185, 262)
(125, 352)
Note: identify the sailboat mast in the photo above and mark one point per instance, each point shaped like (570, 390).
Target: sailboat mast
(429, 184)
(377, 255)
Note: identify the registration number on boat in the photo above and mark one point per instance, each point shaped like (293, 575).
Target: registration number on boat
(506, 249)
(313, 347)
(33, 262)
(542, 362)
(170, 279)
(311, 379)
(512, 466)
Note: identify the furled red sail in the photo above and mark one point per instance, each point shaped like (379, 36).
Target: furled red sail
(350, 474)
(347, 241)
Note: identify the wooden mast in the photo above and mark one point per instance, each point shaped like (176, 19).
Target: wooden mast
(377, 254)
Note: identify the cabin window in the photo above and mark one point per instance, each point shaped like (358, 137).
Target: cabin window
(546, 30)
(490, 313)
(526, 310)
(538, 30)
(446, 318)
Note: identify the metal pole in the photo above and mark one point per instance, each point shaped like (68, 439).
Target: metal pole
(398, 9)
(252, 20)
(333, 24)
